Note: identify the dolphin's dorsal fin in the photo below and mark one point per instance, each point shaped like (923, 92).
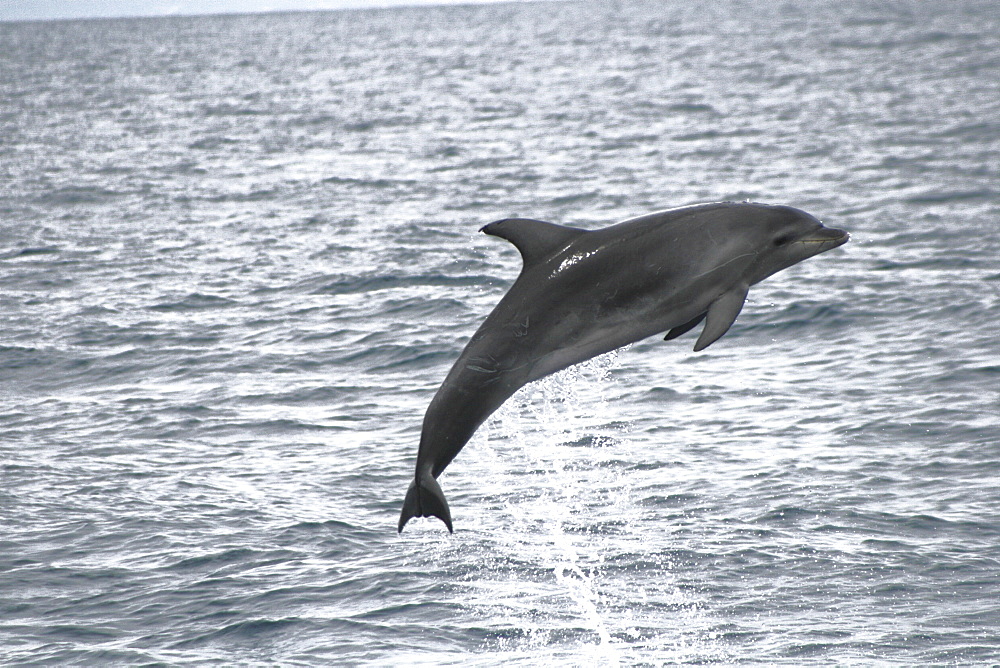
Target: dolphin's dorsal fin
(535, 239)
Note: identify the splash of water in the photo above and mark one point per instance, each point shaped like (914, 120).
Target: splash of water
(552, 566)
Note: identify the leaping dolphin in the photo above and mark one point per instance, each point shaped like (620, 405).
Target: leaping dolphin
(584, 293)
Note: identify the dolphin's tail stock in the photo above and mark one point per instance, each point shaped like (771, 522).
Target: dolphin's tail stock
(424, 498)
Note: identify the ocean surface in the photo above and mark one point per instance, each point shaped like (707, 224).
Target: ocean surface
(238, 254)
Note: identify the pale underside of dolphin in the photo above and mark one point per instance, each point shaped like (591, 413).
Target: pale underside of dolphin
(584, 293)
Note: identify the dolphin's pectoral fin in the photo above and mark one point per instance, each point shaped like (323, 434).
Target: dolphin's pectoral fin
(424, 498)
(683, 329)
(721, 316)
(535, 239)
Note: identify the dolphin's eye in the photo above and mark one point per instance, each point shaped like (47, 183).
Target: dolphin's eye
(783, 240)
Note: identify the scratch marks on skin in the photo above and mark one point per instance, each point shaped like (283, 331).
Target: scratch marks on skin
(520, 329)
(490, 374)
(570, 261)
(491, 369)
(483, 364)
(716, 268)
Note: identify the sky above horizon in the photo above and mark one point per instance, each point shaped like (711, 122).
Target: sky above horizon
(29, 10)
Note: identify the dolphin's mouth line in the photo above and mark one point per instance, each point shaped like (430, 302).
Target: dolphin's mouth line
(826, 240)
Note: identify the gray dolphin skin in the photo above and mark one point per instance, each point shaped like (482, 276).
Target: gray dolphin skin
(584, 293)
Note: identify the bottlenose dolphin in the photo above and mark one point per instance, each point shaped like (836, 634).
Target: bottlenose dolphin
(584, 293)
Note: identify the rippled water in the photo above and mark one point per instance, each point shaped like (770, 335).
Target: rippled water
(238, 255)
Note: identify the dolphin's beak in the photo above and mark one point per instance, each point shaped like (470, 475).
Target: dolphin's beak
(827, 237)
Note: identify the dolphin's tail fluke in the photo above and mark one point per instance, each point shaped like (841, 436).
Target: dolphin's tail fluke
(424, 498)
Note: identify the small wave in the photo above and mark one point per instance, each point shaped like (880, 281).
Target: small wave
(864, 22)
(660, 393)
(247, 630)
(71, 195)
(211, 143)
(194, 302)
(947, 196)
(574, 199)
(787, 515)
(213, 560)
(251, 196)
(371, 184)
(328, 527)
(714, 135)
(935, 36)
(980, 130)
(692, 108)
(393, 356)
(423, 306)
(497, 112)
(30, 252)
(677, 500)
(944, 262)
(796, 316)
(90, 634)
(17, 357)
(309, 396)
(384, 122)
(423, 361)
(226, 109)
(306, 120)
(887, 545)
(284, 426)
(354, 284)
(919, 39)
